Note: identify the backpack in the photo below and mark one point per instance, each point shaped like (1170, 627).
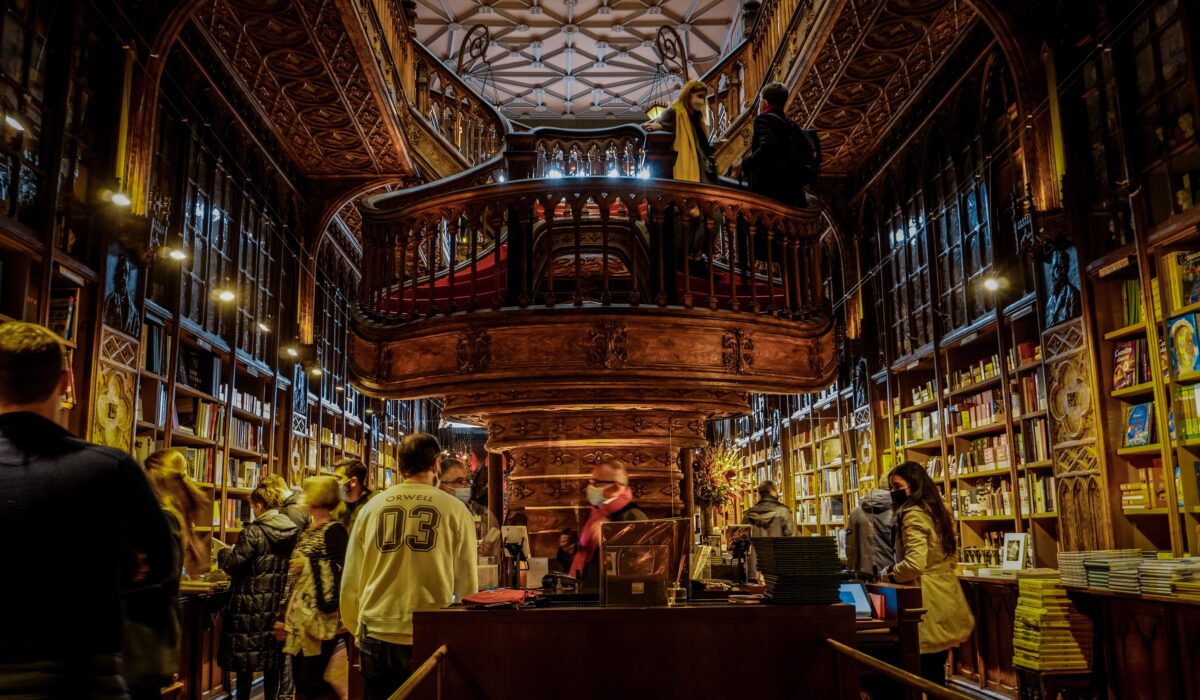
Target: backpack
(804, 150)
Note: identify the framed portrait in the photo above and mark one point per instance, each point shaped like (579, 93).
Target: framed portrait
(1013, 554)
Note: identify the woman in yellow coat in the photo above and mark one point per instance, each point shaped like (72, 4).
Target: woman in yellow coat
(926, 556)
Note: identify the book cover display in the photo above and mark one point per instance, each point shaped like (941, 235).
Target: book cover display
(1185, 357)
(1139, 430)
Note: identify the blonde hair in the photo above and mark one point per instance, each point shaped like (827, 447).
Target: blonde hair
(266, 497)
(166, 471)
(321, 492)
(684, 96)
(276, 483)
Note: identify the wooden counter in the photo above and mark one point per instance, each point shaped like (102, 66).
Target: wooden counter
(695, 652)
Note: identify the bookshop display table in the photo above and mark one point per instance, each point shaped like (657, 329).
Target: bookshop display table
(699, 651)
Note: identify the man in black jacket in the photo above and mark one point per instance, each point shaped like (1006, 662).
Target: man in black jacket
(81, 525)
(771, 167)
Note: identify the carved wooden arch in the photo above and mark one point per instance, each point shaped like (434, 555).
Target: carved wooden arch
(1020, 55)
(143, 127)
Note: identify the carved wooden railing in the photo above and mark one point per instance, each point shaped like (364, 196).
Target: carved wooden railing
(501, 236)
(764, 56)
(453, 108)
(430, 93)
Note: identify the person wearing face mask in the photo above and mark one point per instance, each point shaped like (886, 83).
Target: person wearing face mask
(453, 479)
(352, 488)
(926, 557)
(611, 499)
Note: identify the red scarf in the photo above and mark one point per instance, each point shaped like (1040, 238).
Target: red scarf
(589, 539)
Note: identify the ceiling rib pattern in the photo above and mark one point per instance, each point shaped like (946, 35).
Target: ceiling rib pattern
(296, 61)
(592, 59)
(878, 58)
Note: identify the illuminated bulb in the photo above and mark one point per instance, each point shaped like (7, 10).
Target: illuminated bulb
(991, 284)
(316, 371)
(292, 352)
(176, 254)
(264, 327)
(339, 387)
(121, 199)
(14, 123)
(226, 295)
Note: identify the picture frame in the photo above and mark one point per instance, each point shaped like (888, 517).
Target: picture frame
(1013, 553)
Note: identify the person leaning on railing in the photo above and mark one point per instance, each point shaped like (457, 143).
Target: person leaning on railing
(687, 118)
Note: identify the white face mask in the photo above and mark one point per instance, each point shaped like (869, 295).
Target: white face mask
(595, 495)
(463, 494)
(344, 490)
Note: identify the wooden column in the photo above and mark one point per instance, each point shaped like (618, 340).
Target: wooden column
(686, 461)
(495, 482)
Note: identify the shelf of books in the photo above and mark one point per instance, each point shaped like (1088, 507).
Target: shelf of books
(214, 405)
(1128, 403)
(1178, 268)
(1029, 408)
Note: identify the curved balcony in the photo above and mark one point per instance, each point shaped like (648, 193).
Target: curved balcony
(582, 306)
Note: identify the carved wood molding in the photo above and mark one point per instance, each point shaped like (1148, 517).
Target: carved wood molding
(609, 345)
(738, 354)
(872, 66)
(474, 350)
(294, 62)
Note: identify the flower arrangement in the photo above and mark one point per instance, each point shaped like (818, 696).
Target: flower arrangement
(715, 473)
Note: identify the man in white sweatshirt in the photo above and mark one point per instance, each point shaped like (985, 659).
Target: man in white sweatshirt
(413, 546)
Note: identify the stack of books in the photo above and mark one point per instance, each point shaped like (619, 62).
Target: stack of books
(1125, 578)
(1100, 569)
(1070, 565)
(1048, 633)
(1157, 575)
(1185, 579)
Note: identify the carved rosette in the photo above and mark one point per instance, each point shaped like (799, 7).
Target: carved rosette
(474, 350)
(737, 351)
(608, 345)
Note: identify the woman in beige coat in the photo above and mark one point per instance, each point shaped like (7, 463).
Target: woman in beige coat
(926, 557)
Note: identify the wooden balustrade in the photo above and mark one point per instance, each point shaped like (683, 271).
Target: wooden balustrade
(452, 108)
(588, 240)
(736, 80)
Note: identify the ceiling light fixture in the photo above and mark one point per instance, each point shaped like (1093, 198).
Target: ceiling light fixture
(292, 352)
(226, 295)
(316, 371)
(13, 123)
(176, 254)
(264, 327)
(991, 283)
(121, 199)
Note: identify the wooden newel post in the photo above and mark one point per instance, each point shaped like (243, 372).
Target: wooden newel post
(686, 460)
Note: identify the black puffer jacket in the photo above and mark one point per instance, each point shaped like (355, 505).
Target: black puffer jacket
(293, 508)
(258, 564)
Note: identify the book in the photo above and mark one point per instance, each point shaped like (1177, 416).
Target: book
(1185, 357)
(1125, 365)
(1139, 426)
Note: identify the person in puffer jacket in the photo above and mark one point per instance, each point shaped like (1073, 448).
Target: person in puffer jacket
(869, 535)
(768, 518)
(258, 564)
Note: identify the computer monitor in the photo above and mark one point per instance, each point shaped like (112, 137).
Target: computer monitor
(855, 593)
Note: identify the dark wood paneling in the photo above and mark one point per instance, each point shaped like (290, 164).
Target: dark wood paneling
(725, 651)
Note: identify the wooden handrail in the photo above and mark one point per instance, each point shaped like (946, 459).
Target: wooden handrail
(434, 662)
(916, 682)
